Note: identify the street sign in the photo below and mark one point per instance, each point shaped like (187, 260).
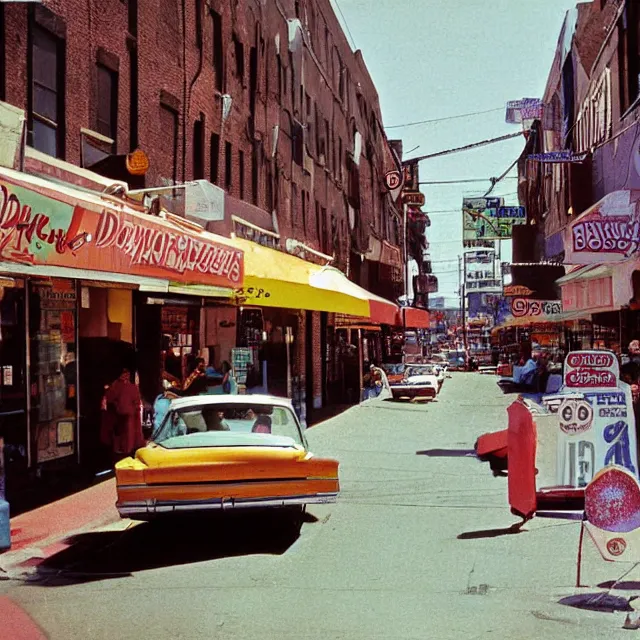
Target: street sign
(415, 198)
(392, 180)
(489, 219)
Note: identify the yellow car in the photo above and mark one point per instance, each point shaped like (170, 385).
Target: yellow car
(224, 452)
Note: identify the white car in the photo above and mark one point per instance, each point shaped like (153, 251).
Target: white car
(419, 381)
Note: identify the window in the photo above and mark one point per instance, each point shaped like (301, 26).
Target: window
(238, 49)
(107, 103)
(218, 58)
(279, 61)
(214, 157)
(255, 175)
(629, 55)
(198, 148)
(199, 24)
(168, 152)
(241, 173)
(47, 93)
(304, 211)
(293, 82)
(227, 166)
(340, 174)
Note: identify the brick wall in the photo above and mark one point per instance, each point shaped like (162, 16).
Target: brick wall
(322, 82)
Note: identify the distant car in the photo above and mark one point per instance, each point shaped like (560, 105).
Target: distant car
(224, 452)
(417, 383)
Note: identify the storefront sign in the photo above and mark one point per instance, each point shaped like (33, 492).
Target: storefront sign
(415, 198)
(591, 370)
(38, 227)
(489, 219)
(517, 290)
(596, 419)
(607, 232)
(535, 309)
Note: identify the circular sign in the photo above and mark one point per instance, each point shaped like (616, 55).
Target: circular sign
(137, 162)
(616, 546)
(393, 179)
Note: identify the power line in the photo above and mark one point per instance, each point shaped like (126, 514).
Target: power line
(346, 24)
(494, 182)
(466, 180)
(466, 147)
(462, 115)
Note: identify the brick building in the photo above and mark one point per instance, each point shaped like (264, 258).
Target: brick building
(265, 100)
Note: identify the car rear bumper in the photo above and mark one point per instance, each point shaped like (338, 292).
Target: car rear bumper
(413, 391)
(146, 508)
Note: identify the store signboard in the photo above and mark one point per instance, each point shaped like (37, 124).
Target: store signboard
(595, 418)
(44, 226)
(537, 310)
(489, 219)
(555, 157)
(607, 232)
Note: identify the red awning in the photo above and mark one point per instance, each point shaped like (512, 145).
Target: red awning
(382, 311)
(415, 318)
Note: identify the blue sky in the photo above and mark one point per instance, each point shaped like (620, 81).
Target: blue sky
(441, 58)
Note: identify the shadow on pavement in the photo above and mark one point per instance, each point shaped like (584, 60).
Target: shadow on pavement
(448, 453)
(492, 533)
(169, 542)
(598, 602)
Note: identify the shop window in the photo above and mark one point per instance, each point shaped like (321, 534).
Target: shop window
(53, 385)
(168, 152)
(241, 173)
(198, 148)
(218, 57)
(214, 157)
(47, 109)
(227, 166)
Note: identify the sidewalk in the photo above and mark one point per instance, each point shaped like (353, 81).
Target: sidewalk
(41, 533)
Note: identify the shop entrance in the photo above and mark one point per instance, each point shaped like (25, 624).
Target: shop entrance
(13, 389)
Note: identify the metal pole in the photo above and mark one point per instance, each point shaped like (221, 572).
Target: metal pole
(360, 364)
(405, 209)
(287, 341)
(464, 299)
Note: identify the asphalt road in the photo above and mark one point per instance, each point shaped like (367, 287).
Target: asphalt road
(416, 548)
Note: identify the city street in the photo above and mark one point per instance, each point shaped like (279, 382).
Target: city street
(415, 548)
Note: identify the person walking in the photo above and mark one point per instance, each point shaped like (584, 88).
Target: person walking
(122, 421)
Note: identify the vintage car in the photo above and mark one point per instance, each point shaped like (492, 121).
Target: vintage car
(418, 382)
(225, 452)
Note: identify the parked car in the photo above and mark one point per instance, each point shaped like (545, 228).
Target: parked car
(458, 360)
(225, 452)
(416, 384)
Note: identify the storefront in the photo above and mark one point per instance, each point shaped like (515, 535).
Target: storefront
(72, 266)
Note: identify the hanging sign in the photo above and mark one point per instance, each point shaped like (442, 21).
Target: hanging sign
(525, 109)
(535, 309)
(517, 290)
(414, 198)
(393, 180)
(489, 219)
(557, 157)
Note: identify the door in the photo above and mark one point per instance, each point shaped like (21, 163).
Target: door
(13, 387)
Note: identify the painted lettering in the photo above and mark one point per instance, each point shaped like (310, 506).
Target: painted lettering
(617, 435)
(167, 249)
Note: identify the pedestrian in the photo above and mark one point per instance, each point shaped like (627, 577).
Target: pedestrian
(196, 382)
(634, 351)
(226, 377)
(122, 420)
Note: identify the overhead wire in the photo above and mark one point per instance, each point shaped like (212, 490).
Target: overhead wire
(346, 24)
(466, 147)
(443, 119)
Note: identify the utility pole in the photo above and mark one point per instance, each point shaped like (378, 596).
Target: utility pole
(463, 301)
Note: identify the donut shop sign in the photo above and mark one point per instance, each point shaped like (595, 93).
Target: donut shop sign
(591, 369)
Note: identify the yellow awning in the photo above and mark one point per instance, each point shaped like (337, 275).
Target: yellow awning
(276, 279)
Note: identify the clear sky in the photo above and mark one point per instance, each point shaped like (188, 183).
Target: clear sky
(438, 58)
